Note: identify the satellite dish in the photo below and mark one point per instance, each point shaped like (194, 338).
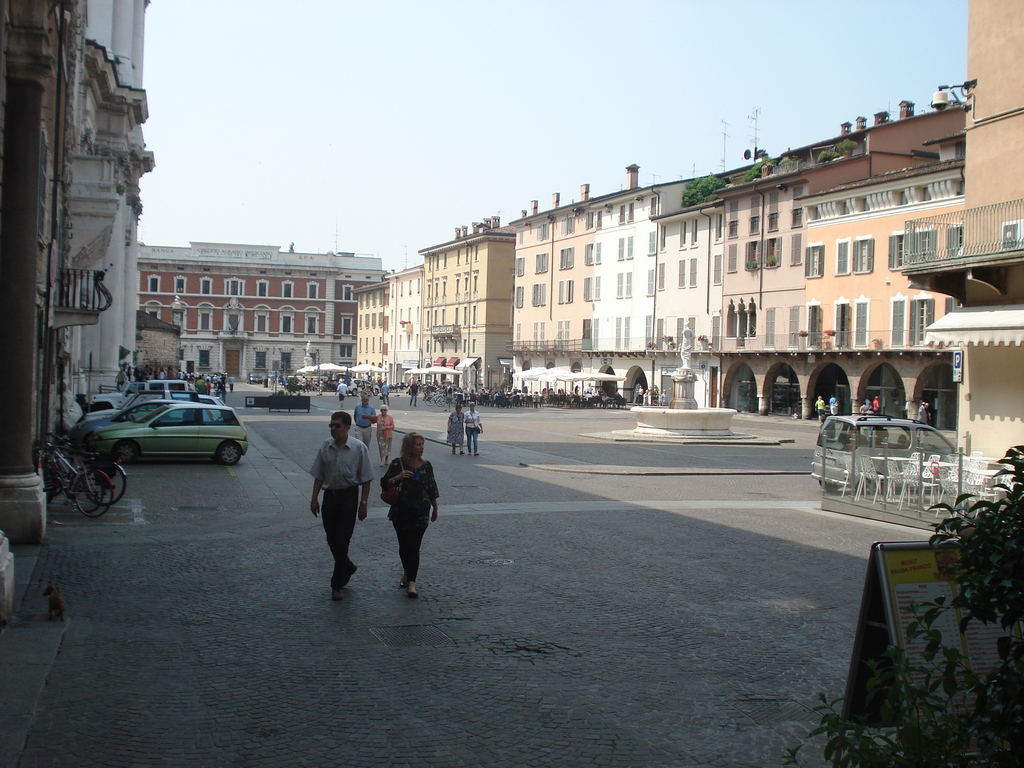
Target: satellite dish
(746, 154)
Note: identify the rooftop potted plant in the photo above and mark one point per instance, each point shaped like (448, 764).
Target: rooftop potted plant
(846, 147)
(826, 155)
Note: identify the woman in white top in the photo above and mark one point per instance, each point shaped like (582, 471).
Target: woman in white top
(473, 430)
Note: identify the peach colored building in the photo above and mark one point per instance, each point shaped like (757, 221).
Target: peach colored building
(865, 322)
(766, 367)
(977, 254)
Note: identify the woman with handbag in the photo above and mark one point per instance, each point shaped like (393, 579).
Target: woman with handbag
(409, 488)
(473, 430)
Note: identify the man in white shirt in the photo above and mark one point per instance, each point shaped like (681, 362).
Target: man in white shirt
(342, 469)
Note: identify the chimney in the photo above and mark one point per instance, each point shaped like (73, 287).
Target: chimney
(881, 118)
(906, 109)
(555, 199)
(477, 226)
(495, 221)
(844, 128)
(458, 232)
(525, 214)
(584, 192)
(465, 231)
(862, 123)
(632, 176)
(533, 207)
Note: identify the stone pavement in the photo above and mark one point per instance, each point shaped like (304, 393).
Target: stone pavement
(563, 633)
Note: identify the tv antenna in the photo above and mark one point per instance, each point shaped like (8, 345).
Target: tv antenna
(725, 136)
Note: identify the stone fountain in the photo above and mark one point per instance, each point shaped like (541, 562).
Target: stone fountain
(683, 418)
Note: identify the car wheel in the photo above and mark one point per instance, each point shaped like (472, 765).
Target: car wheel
(126, 452)
(228, 453)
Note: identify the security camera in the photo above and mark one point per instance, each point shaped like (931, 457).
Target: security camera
(940, 100)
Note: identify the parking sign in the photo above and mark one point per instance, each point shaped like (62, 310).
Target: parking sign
(958, 367)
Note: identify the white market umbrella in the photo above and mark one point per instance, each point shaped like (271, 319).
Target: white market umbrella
(603, 377)
(442, 371)
(366, 368)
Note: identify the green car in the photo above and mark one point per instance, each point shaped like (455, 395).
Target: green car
(179, 429)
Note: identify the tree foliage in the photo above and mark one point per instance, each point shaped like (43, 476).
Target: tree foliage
(702, 190)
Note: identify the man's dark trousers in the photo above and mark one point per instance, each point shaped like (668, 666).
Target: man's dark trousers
(338, 513)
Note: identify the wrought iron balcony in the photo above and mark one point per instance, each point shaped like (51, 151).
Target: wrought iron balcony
(79, 297)
(989, 234)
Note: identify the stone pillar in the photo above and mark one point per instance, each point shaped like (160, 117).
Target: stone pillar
(22, 510)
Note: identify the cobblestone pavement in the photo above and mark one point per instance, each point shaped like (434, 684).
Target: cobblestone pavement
(200, 631)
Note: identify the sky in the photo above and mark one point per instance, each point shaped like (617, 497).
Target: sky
(378, 127)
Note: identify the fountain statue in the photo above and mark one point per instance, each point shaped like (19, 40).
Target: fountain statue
(683, 418)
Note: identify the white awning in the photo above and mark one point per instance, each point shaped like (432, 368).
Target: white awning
(979, 326)
(506, 361)
(466, 363)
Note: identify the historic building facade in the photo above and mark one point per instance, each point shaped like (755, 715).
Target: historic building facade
(467, 301)
(72, 110)
(405, 312)
(249, 308)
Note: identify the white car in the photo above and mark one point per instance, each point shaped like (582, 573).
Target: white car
(161, 387)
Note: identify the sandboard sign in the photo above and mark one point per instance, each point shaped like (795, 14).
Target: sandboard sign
(902, 574)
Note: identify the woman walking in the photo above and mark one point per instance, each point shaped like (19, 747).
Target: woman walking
(416, 506)
(457, 429)
(385, 429)
(473, 430)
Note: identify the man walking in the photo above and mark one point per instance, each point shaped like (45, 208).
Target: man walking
(414, 390)
(342, 469)
(384, 393)
(366, 417)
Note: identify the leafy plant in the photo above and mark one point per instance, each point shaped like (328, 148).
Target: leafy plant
(755, 170)
(827, 154)
(939, 712)
(846, 147)
(702, 190)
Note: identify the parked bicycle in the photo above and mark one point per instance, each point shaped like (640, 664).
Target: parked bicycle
(88, 489)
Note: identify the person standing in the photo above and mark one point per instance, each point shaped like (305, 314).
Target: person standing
(819, 406)
(922, 412)
(342, 469)
(473, 429)
(231, 383)
(342, 390)
(416, 507)
(384, 394)
(385, 430)
(457, 429)
(876, 406)
(833, 405)
(365, 418)
(414, 390)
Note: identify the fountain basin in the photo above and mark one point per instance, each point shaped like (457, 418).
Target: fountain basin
(695, 422)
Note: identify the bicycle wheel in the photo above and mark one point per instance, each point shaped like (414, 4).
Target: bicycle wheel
(91, 492)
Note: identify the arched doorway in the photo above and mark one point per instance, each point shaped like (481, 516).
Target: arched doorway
(634, 379)
(887, 385)
(940, 393)
(743, 393)
(833, 382)
(609, 388)
(784, 391)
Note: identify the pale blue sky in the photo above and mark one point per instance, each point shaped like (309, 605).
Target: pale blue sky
(378, 127)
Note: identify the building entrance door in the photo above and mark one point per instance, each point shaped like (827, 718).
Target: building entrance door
(231, 363)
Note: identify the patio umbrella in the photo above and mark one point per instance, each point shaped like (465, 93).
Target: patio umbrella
(366, 368)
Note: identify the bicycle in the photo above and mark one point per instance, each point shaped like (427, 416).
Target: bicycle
(113, 469)
(89, 490)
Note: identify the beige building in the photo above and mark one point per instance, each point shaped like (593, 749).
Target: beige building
(405, 322)
(467, 298)
(374, 323)
(977, 254)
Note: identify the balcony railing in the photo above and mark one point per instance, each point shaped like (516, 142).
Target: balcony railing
(82, 290)
(990, 233)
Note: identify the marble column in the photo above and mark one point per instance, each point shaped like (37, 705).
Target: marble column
(22, 509)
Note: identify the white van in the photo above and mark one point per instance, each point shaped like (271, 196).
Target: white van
(161, 387)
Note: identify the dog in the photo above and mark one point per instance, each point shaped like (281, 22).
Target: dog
(56, 602)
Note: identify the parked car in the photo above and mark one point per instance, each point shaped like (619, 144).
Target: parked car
(255, 378)
(176, 429)
(136, 407)
(841, 436)
(114, 400)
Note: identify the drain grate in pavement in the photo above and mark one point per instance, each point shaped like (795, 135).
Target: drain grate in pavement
(769, 709)
(493, 561)
(411, 635)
